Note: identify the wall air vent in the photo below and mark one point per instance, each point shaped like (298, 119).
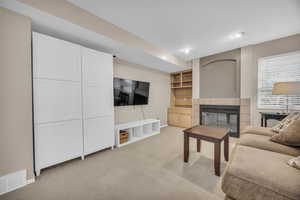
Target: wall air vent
(12, 181)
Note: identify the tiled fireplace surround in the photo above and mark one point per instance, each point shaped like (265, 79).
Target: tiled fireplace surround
(243, 103)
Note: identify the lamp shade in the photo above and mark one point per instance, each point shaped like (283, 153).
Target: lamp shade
(286, 88)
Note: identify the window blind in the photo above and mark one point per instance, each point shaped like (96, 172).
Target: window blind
(279, 68)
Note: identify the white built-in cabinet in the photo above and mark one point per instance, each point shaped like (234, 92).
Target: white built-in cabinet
(97, 86)
(73, 101)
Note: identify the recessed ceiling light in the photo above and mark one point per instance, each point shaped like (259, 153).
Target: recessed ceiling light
(186, 50)
(164, 57)
(237, 35)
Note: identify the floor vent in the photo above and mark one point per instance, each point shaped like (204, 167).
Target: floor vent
(12, 181)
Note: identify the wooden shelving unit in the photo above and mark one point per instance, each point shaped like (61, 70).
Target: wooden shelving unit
(182, 79)
(181, 85)
(180, 112)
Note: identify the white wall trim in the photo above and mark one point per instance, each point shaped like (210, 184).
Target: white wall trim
(29, 181)
(163, 125)
(196, 78)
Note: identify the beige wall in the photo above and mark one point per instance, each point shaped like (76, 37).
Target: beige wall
(159, 99)
(220, 79)
(16, 146)
(249, 57)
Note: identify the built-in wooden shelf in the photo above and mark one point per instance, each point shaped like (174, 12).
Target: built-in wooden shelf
(184, 96)
(184, 106)
(187, 81)
(187, 86)
(180, 112)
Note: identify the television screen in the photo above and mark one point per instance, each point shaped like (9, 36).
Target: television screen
(130, 92)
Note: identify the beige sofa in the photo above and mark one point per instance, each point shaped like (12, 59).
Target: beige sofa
(258, 169)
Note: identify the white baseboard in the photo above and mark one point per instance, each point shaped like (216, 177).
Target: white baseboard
(29, 181)
(163, 125)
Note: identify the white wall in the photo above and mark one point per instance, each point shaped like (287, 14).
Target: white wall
(159, 97)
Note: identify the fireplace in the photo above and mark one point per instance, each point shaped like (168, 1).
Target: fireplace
(221, 116)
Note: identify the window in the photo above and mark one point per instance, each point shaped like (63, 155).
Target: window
(279, 68)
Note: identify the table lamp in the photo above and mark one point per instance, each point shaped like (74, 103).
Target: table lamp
(286, 88)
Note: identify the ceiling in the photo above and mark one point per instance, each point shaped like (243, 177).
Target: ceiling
(204, 26)
(46, 23)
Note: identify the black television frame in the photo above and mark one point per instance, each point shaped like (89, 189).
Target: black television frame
(135, 99)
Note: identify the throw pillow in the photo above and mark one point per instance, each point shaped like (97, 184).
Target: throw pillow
(277, 127)
(295, 162)
(285, 122)
(289, 135)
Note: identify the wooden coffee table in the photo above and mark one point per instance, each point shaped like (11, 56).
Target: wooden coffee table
(210, 134)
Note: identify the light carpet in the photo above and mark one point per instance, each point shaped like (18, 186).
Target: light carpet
(149, 169)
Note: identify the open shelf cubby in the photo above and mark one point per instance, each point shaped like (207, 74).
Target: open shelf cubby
(147, 129)
(182, 97)
(183, 79)
(137, 130)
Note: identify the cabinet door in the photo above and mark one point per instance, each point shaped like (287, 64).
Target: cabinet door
(179, 120)
(97, 102)
(57, 142)
(185, 121)
(98, 134)
(56, 100)
(55, 59)
(98, 109)
(173, 119)
(97, 70)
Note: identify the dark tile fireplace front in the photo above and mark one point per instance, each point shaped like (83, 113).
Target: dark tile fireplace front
(221, 116)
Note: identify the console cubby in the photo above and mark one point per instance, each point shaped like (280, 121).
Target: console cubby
(147, 129)
(137, 130)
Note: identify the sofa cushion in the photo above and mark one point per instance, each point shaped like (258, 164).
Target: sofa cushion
(258, 131)
(228, 198)
(259, 174)
(264, 143)
(290, 135)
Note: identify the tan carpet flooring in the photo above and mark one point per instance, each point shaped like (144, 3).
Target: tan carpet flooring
(149, 169)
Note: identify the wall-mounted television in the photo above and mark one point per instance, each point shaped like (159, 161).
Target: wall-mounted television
(130, 92)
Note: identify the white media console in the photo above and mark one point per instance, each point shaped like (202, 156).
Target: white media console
(137, 130)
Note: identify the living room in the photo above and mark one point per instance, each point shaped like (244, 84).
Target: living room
(129, 100)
